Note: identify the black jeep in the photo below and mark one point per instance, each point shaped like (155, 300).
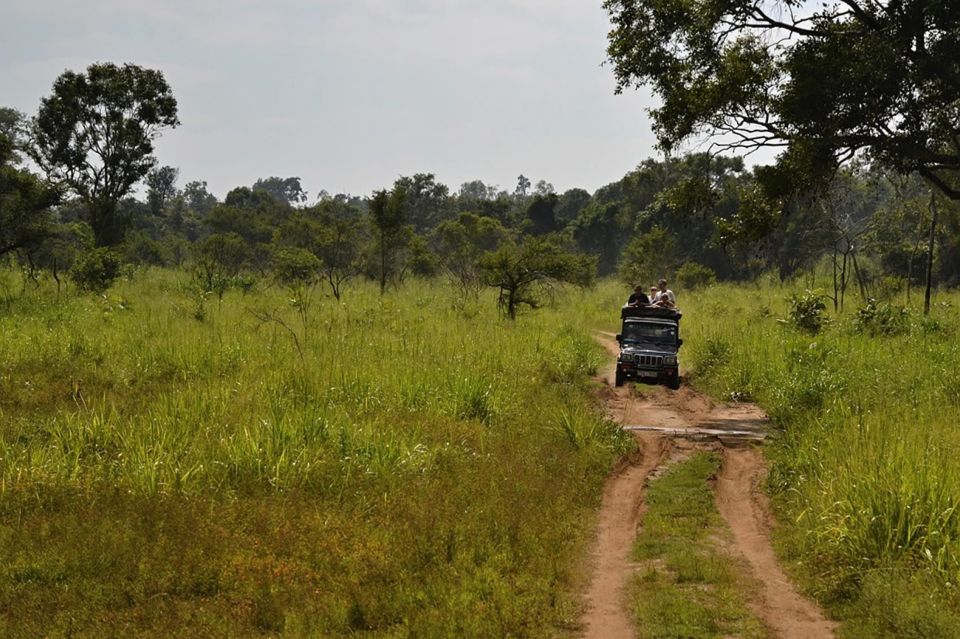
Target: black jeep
(649, 341)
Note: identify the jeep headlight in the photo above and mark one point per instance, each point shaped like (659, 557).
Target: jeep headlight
(626, 357)
(670, 360)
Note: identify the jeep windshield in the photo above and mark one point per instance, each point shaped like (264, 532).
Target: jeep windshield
(655, 333)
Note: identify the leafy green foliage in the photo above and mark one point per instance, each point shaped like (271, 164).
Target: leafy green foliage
(691, 275)
(332, 235)
(161, 187)
(848, 77)
(218, 261)
(96, 270)
(94, 134)
(649, 257)
(426, 202)
(882, 318)
(283, 190)
(24, 204)
(295, 265)
(460, 243)
(808, 311)
(527, 271)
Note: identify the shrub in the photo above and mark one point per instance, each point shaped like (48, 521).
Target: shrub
(882, 318)
(807, 311)
(295, 266)
(692, 275)
(96, 271)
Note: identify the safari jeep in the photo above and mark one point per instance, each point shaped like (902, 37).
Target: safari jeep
(649, 340)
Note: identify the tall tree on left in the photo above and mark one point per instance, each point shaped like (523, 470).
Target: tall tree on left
(94, 135)
(25, 199)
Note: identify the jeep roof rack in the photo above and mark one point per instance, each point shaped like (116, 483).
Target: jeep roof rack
(650, 311)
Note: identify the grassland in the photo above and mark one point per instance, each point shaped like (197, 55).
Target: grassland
(280, 463)
(865, 469)
(685, 587)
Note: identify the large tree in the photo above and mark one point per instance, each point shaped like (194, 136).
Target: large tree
(94, 134)
(286, 190)
(823, 81)
(427, 201)
(24, 203)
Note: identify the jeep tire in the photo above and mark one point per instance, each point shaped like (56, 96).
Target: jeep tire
(673, 381)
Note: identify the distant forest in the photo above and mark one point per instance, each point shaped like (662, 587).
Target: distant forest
(694, 218)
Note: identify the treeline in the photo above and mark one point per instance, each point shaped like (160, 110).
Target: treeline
(696, 218)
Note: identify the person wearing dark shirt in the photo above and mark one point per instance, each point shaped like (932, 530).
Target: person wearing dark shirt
(638, 297)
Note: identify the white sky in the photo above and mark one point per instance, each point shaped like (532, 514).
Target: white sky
(350, 94)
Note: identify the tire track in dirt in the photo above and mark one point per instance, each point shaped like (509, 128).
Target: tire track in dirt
(739, 500)
(608, 612)
(743, 505)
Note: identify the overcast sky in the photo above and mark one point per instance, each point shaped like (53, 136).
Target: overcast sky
(350, 94)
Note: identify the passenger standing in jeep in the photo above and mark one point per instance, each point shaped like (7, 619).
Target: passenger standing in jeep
(638, 297)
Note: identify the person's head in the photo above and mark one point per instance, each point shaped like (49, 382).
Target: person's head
(653, 289)
(637, 288)
(663, 285)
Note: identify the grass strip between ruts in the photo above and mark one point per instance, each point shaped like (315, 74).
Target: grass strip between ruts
(686, 586)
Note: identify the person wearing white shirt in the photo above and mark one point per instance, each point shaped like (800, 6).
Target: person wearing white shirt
(664, 291)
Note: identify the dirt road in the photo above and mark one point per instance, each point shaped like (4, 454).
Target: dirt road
(668, 423)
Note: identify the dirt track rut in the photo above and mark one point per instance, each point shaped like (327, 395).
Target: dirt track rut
(662, 421)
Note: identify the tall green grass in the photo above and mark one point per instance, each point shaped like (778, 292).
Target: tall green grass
(382, 467)
(864, 464)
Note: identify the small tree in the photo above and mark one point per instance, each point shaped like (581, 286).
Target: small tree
(332, 238)
(161, 187)
(390, 234)
(219, 258)
(524, 272)
(460, 243)
(63, 247)
(96, 271)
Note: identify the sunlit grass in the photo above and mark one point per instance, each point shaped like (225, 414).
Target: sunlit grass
(381, 466)
(865, 464)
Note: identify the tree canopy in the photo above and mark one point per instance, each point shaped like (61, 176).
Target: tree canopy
(94, 134)
(823, 82)
(524, 272)
(24, 203)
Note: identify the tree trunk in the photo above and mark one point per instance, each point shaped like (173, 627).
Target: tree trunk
(836, 283)
(859, 274)
(844, 277)
(56, 276)
(933, 235)
(912, 258)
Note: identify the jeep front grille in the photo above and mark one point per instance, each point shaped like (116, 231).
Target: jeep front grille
(652, 361)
